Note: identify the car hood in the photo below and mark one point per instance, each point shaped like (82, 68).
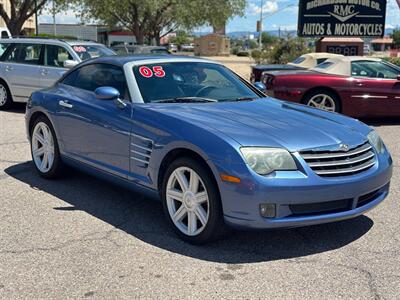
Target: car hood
(272, 123)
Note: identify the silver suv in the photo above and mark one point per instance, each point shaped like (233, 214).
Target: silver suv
(30, 64)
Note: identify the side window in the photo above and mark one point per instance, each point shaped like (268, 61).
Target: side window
(24, 54)
(91, 77)
(3, 48)
(321, 60)
(70, 79)
(373, 69)
(55, 56)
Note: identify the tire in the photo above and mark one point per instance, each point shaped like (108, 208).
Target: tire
(316, 99)
(42, 136)
(204, 205)
(6, 100)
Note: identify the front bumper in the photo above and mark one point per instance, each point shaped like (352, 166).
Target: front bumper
(290, 190)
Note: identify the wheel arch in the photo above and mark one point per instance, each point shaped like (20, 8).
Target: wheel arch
(321, 88)
(34, 116)
(176, 153)
(7, 85)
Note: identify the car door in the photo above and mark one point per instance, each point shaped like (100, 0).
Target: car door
(375, 87)
(52, 69)
(93, 131)
(21, 64)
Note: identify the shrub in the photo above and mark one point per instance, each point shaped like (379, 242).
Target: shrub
(393, 60)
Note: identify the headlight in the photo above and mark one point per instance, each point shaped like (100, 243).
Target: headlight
(266, 160)
(376, 141)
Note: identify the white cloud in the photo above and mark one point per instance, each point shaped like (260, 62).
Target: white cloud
(268, 8)
(284, 27)
(64, 17)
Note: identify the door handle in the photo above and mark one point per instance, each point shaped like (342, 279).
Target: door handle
(65, 104)
(45, 72)
(9, 68)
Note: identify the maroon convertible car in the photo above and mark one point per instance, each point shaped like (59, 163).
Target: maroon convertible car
(355, 86)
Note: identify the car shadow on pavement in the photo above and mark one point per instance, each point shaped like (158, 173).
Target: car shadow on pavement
(18, 108)
(143, 219)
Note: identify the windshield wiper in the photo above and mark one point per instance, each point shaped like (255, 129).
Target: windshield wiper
(186, 100)
(242, 99)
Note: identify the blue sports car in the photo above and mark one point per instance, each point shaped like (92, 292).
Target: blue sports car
(209, 144)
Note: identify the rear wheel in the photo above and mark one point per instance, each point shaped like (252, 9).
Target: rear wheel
(44, 148)
(191, 202)
(322, 99)
(5, 97)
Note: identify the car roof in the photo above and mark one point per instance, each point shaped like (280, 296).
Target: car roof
(124, 59)
(49, 41)
(321, 55)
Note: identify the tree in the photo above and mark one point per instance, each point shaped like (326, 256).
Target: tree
(284, 51)
(396, 37)
(268, 39)
(156, 18)
(20, 12)
(181, 38)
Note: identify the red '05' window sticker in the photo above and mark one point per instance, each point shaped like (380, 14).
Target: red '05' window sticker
(155, 71)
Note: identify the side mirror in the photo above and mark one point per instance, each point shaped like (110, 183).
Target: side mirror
(110, 93)
(69, 64)
(106, 93)
(398, 77)
(260, 86)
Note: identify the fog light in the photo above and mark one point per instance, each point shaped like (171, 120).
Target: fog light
(268, 210)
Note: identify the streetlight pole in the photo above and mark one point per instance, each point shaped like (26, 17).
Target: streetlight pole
(36, 19)
(261, 26)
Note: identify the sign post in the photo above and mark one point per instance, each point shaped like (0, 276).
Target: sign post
(342, 18)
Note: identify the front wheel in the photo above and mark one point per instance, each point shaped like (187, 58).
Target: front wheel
(323, 100)
(44, 149)
(191, 202)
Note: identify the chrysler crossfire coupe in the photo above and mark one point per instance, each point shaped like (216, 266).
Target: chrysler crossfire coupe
(211, 146)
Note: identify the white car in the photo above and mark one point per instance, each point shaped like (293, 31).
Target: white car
(30, 64)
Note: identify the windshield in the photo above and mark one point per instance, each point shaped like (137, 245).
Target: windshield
(92, 51)
(190, 80)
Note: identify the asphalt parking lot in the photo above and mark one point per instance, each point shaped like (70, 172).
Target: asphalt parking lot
(80, 237)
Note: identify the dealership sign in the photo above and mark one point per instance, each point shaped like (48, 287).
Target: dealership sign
(363, 18)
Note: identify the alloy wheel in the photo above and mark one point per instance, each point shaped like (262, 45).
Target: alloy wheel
(42, 147)
(187, 201)
(3, 95)
(322, 101)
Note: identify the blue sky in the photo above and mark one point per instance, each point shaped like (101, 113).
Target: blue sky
(279, 13)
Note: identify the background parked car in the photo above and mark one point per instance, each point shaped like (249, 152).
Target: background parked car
(29, 64)
(139, 49)
(187, 47)
(355, 86)
(305, 61)
(5, 33)
(173, 48)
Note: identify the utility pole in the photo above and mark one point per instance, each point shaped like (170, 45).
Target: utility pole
(36, 19)
(261, 26)
(54, 19)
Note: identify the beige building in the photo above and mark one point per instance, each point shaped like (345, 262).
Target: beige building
(212, 45)
(29, 25)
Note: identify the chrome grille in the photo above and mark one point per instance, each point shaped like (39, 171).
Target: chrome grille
(340, 163)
